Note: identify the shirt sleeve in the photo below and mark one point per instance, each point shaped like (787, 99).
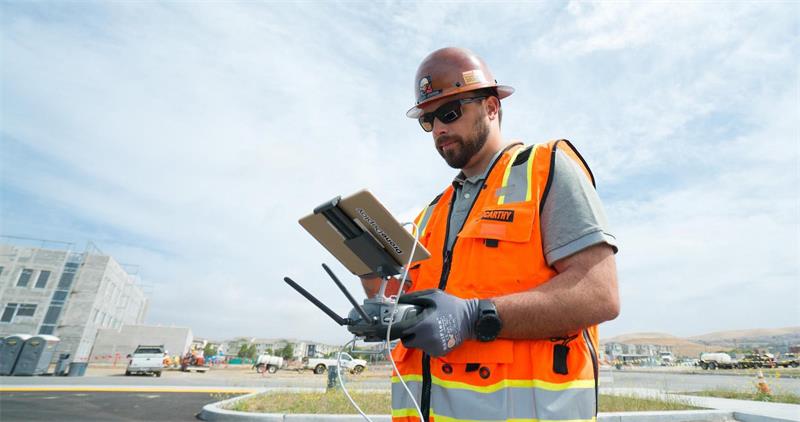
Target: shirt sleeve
(572, 218)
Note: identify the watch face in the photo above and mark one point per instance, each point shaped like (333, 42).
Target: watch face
(488, 328)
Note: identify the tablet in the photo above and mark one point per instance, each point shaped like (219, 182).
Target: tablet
(344, 226)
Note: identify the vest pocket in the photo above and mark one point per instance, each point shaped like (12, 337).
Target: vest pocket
(509, 223)
(497, 351)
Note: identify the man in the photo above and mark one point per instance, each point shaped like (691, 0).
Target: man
(522, 267)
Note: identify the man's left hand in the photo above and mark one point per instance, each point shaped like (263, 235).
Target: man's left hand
(449, 321)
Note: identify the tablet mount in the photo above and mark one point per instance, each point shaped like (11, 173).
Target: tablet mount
(370, 321)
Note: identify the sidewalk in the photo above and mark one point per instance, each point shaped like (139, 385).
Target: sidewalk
(740, 408)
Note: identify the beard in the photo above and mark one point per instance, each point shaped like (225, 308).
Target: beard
(459, 156)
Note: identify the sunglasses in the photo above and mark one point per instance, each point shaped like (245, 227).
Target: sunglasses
(448, 112)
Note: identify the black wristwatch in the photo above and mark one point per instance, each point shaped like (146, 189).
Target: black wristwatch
(488, 325)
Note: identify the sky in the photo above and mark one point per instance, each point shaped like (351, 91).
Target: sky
(187, 139)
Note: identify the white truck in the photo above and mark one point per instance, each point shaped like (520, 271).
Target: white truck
(268, 363)
(717, 360)
(146, 359)
(319, 365)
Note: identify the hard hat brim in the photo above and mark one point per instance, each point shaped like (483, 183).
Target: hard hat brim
(503, 91)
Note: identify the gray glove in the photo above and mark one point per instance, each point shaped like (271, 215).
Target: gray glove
(447, 321)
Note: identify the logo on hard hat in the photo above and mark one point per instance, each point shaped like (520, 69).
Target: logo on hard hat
(426, 89)
(425, 86)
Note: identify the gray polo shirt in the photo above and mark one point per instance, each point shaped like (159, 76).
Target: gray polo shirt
(571, 221)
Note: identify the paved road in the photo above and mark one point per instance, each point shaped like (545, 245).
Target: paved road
(111, 407)
(216, 378)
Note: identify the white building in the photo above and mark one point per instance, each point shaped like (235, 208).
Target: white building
(67, 294)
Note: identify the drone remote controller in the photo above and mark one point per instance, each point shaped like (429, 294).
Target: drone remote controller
(370, 321)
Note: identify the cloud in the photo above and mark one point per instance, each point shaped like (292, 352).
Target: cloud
(189, 140)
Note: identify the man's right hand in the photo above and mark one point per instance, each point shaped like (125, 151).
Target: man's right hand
(372, 285)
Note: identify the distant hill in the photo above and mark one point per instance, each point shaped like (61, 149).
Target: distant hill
(740, 336)
(635, 336)
(717, 341)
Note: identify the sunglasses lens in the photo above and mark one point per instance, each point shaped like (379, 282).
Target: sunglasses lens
(450, 116)
(426, 121)
(447, 113)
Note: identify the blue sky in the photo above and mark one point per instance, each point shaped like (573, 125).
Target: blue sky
(188, 138)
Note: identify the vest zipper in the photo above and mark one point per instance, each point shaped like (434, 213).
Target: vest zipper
(447, 258)
(425, 406)
(588, 339)
(426, 387)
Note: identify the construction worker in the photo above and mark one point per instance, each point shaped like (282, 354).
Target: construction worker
(522, 267)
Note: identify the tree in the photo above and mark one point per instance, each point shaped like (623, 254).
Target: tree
(209, 350)
(287, 352)
(247, 351)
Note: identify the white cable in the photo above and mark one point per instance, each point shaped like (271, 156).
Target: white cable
(388, 338)
(341, 378)
(391, 321)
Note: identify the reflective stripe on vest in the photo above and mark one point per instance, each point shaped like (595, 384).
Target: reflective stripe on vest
(518, 400)
(516, 185)
(425, 215)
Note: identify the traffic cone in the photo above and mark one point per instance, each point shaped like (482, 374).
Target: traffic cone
(762, 385)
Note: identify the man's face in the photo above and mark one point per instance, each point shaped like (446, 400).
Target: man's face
(459, 141)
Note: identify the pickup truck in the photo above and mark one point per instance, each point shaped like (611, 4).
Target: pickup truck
(146, 359)
(319, 365)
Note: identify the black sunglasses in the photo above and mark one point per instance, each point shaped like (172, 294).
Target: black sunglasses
(448, 112)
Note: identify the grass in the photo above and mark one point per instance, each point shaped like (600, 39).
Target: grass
(335, 402)
(777, 397)
(332, 402)
(636, 404)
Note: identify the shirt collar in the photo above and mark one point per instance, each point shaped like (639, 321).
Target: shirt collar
(461, 178)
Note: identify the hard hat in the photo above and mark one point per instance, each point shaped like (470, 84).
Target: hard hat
(450, 71)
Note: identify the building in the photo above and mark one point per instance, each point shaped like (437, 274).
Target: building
(67, 294)
(639, 354)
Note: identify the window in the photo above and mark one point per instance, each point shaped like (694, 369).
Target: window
(1, 269)
(46, 329)
(66, 280)
(59, 295)
(26, 310)
(52, 314)
(41, 282)
(8, 313)
(24, 277)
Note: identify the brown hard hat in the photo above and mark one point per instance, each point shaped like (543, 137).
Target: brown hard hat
(450, 71)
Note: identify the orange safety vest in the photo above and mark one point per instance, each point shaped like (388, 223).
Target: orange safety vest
(497, 252)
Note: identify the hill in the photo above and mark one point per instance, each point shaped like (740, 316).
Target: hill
(753, 335)
(716, 341)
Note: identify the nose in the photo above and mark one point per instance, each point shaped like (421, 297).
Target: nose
(439, 128)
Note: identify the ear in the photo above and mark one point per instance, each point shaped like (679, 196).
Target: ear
(492, 107)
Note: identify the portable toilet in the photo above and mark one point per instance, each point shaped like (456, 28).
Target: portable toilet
(9, 352)
(35, 357)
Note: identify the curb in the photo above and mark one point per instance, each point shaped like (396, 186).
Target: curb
(215, 412)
